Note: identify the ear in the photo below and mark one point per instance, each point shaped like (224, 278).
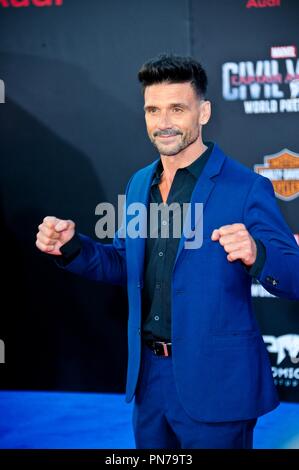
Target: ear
(205, 112)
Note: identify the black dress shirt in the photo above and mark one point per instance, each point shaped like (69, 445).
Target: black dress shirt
(160, 252)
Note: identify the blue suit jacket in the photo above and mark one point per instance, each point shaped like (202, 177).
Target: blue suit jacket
(220, 362)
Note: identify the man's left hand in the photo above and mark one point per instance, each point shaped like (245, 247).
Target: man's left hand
(237, 242)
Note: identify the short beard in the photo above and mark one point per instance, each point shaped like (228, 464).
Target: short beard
(187, 140)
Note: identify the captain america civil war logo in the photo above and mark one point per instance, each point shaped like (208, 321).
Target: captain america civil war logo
(269, 85)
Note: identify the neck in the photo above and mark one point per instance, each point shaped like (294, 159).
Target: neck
(184, 158)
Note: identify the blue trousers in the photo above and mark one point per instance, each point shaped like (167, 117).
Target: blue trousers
(160, 421)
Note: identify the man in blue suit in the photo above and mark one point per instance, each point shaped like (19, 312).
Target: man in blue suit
(198, 367)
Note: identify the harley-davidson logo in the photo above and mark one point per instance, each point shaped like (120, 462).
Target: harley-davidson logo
(282, 169)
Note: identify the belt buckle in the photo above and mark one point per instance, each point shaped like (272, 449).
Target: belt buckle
(165, 348)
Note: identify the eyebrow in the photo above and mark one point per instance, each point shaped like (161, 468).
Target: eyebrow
(172, 105)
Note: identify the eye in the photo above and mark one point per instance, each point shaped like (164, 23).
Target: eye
(177, 110)
(152, 110)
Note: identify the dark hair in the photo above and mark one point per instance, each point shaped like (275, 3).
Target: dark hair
(174, 69)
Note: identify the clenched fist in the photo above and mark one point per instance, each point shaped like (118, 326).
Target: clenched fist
(53, 234)
(237, 242)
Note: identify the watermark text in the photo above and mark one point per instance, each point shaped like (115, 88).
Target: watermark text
(2, 92)
(136, 220)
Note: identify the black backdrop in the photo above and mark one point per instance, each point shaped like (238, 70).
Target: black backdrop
(72, 133)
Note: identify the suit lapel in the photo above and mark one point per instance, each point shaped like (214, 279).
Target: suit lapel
(201, 193)
(140, 192)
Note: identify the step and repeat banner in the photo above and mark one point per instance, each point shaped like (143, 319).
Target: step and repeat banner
(250, 51)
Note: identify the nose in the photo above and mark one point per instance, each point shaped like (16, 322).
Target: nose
(164, 121)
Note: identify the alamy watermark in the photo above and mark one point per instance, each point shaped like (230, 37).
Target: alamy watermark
(2, 92)
(2, 352)
(136, 220)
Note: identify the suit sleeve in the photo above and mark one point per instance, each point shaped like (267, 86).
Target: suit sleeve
(101, 262)
(264, 221)
(258, 265)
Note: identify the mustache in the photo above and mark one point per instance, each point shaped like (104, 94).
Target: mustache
(167, 132)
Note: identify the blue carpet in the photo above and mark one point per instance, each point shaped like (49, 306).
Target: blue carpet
(47, 420)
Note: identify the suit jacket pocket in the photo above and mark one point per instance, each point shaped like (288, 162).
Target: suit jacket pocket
(235, 339)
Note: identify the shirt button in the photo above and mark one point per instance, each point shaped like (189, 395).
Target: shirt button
(164, 222)
(160, 253)
(156, 317)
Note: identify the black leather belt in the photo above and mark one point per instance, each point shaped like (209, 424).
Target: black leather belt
(159, 347)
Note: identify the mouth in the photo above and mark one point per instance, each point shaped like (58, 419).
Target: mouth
(166, 137)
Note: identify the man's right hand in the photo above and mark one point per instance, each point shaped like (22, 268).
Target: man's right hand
(53, 234)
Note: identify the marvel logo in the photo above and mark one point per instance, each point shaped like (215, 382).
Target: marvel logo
(28, 3)
(283, 52)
